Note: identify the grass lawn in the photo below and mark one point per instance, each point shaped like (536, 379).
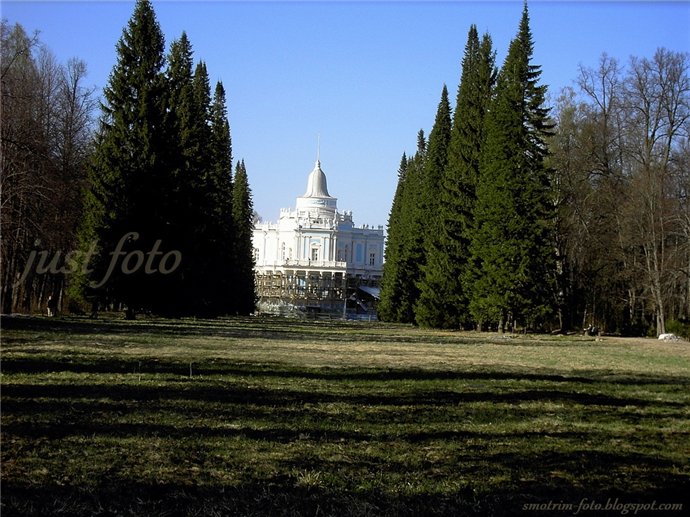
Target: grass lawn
(281, 417)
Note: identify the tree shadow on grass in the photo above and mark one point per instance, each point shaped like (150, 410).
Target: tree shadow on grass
(526, 460)
(219, 367)
(332, 331)
(530, 470)
(236, 328)
(231, 393)
(283, 496)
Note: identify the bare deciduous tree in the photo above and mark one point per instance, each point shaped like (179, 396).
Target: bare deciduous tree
(45, 138)
(621, 154)
(657, 108)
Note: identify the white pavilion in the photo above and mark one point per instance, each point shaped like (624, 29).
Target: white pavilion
(314, 259)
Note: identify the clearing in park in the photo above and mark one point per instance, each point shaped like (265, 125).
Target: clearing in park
(284, 417)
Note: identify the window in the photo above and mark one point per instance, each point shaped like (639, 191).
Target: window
(315, 254)
(372, 259)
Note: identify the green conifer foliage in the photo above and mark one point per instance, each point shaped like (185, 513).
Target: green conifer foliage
(187, 193)
(461, 175)
(511, 249)
(431, 306)
(202, 102)
(130, 167)
(221, 157)
(391, 281)
(223, 267)
(403, 245)
(443, 302)
(243, 216)
(411, 234)
(162, 175)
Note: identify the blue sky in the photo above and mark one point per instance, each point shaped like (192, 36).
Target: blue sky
(365, 76)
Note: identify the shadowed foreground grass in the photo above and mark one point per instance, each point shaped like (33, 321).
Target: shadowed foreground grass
(276, 417)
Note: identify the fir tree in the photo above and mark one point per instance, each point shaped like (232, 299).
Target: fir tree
(446, 292)
(243, 217)
(163, 169)
(185, 147)
(431, 308)
(221, 157)
(201, 210)
(391, 281)
(511, 253)
(202, 100)
(131, 165)
(222, 187)
(411, 234)
(179, 78)
(194, 196)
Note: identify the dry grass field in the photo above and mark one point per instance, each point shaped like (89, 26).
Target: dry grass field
(283, 417)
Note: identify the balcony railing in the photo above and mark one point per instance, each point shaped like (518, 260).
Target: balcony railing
(304, 263)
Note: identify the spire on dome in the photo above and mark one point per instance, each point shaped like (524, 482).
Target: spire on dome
(316, 184)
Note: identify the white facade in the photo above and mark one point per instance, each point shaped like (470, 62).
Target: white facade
(314, 254)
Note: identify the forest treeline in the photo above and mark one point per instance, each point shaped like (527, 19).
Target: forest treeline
(516, 215)
(509, 214)
(139, 210)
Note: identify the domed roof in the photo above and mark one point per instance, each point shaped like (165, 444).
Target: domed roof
(316, 184)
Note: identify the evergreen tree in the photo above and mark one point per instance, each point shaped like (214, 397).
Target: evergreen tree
(443, 301)
(201, 209)
(431, 307)
(184, 197)
(411, 233)
(179, 79)
(511, 250)
(391, 281)
(202, 99)
(162, 175)
(223, 266)
(131, 165)
(194, 196)
(462, 173)
(221, 148)
(208, 232)
(243, 217)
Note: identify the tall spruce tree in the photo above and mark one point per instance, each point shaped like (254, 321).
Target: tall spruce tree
(131, 167)
(391, 281)
(411, 234)
(444, 295)
(511, 250)
(162, 176)
(243, 217)
(431, 306)
(221, 157)
(185, 197)
(462, 174)
(194, 201)
(202, 98)
(202, 208)
(223, 267)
